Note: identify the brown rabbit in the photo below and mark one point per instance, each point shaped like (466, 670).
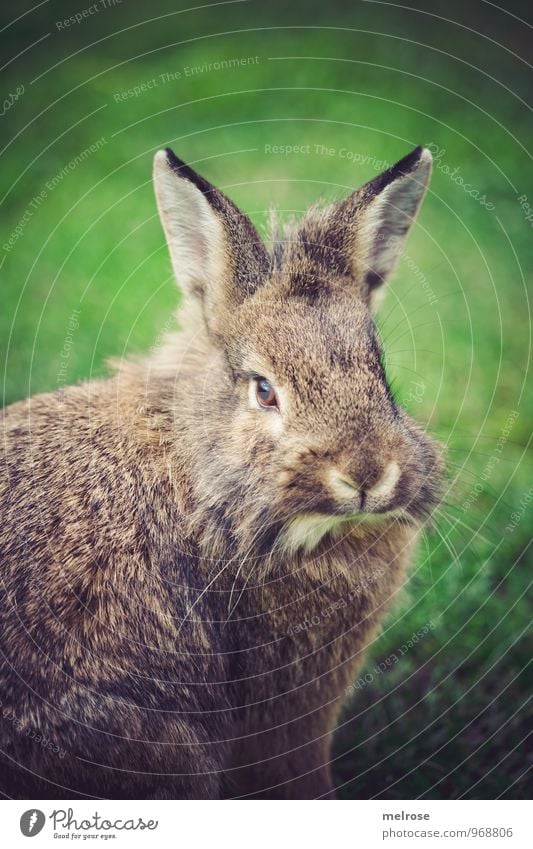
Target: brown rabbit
(196, 551)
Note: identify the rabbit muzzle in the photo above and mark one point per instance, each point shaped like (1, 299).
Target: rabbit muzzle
(365, 478)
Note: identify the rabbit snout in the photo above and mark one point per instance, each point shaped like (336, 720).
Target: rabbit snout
(364, 479)
(372, 491)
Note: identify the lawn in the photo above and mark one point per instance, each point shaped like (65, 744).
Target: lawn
(280, 106)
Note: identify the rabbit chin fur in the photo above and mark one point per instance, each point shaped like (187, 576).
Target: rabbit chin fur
(306, 531)
(190, 579)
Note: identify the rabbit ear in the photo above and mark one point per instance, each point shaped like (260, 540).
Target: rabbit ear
(216, 253)
(385, 210)
(359, 240)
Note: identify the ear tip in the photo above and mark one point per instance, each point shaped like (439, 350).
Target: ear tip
(160, 159)
(426, 157)
(416, 164)
(166, 158)
(419, 158)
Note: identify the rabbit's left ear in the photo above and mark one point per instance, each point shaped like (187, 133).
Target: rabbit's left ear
(385, 210)
(359, 240)
(217, 255)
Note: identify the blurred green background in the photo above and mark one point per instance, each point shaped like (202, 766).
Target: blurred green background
(357, 86)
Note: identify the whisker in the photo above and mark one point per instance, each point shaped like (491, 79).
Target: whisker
(456, 520)
(244, 559)
(449, 548)
(203, 592)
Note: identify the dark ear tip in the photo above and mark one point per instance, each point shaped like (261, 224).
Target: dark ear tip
(175, 163)
(181, 169)
(418, 160)
(411, 162)
(414, 156)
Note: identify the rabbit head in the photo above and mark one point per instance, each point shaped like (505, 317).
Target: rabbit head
(297, 423)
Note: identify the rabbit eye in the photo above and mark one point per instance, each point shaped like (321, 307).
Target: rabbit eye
(265, 393)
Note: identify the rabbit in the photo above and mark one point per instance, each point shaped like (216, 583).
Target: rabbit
(197, 549)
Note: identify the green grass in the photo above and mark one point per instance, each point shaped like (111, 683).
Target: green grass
(449, 718)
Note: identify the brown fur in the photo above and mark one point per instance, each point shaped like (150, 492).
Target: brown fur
(156, 626)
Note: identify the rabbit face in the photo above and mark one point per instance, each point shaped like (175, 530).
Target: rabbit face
(296, 379)
(312, 399)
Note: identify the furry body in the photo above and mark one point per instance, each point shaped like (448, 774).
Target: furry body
(158, 624)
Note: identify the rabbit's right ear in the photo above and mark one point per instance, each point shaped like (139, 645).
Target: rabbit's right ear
(216, 253)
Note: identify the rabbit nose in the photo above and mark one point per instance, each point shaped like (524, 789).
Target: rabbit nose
(372, 488)
(385, 485)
